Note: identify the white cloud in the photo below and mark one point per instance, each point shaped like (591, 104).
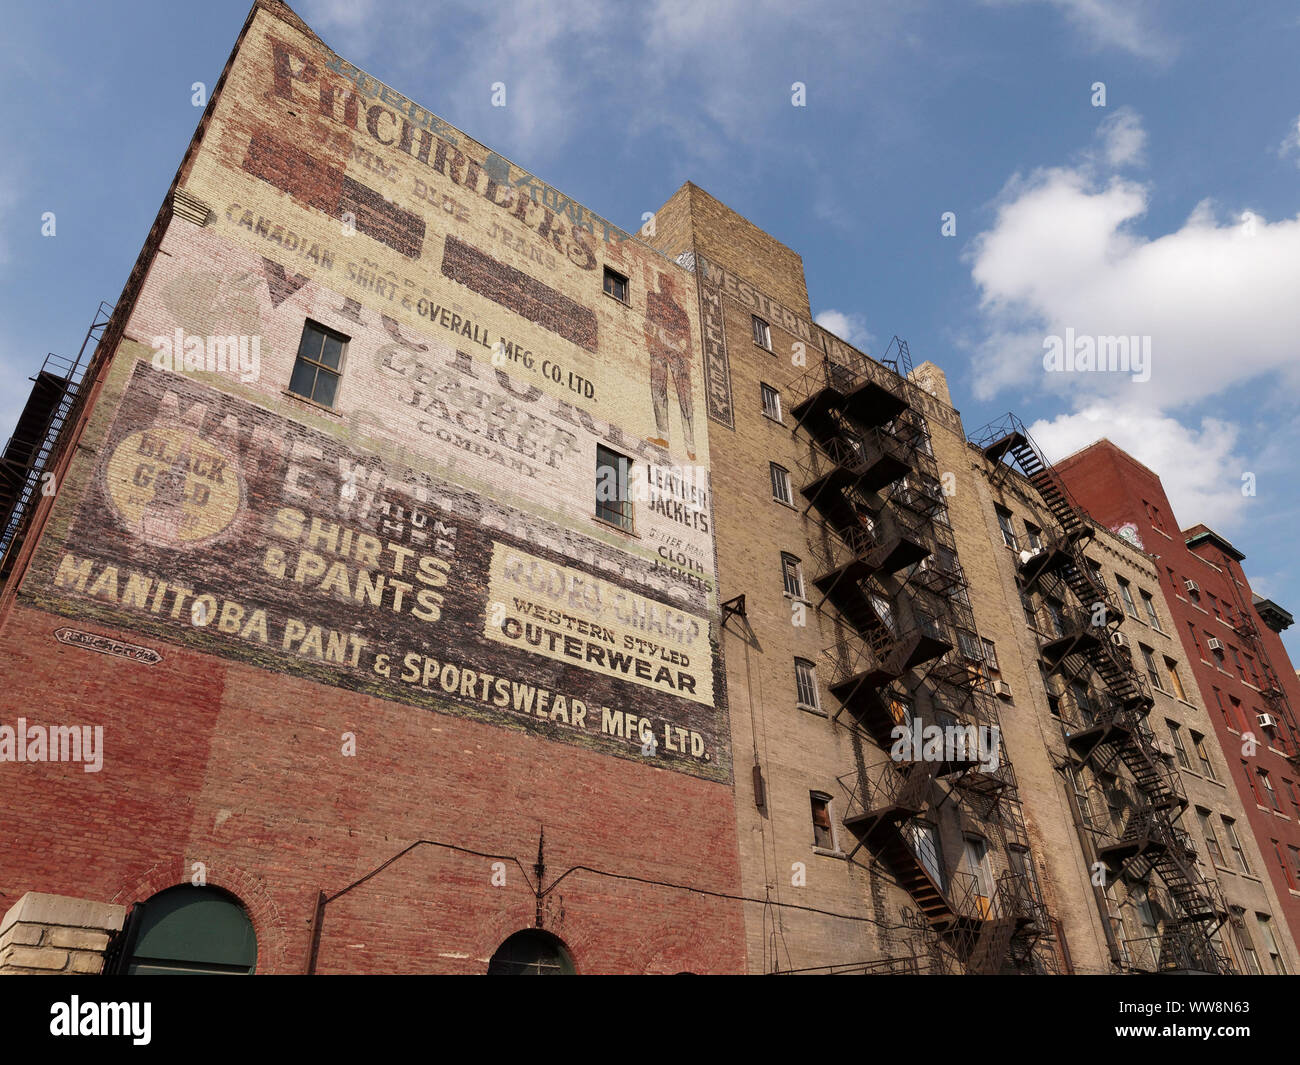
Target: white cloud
(1121, 24)
(847, 326)
(1199, 467)
(1291, 143)
(701, 72)
(1123, 138)
(1215, 296)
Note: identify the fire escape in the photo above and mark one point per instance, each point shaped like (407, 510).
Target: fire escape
(27, 455)
(906, 654)
(1138, 833)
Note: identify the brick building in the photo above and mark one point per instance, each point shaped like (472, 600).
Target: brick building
(359, 668)
(1138, 756)
(1230, 640)
(447, 580)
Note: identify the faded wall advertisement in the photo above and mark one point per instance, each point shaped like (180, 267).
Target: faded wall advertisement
(426, 529)
(211, 524)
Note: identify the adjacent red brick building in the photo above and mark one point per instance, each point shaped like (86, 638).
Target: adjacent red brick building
(1231, 637)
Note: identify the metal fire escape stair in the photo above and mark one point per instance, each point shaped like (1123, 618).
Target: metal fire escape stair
(1119, 732)
(890, 582)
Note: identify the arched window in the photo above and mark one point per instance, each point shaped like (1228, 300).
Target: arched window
(188, 930)
(531, 953)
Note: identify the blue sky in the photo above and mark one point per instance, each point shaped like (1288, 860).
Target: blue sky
(1172, 212)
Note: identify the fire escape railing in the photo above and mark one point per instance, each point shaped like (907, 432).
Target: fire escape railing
(1107, 732)
(907, 659)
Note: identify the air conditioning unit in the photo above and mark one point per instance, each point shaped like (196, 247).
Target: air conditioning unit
(1165, 747)
(1191, 586)
(1002, 688)
(1119, 639)
(1026, 555)
(1213, 644)
(1267, 721)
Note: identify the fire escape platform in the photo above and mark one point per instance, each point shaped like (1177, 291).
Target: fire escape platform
(1080, 641)
(995, 451)
(872, 404)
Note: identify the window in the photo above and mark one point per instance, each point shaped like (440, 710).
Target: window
(1254, 673)
(1211, 840)
(1230, 830)
(1254, 783)
(188, 930)
(1237, 713)
(975, 857)
(771, 402)
(792, 576)
(1293, 877)
(805, 683)
(884, 611)
(1035, 536)
(531, 952)
(990, 654)
(1191, 627)
(823, 832)
(1267, 785)
(924, 841)
(1247, 949)
(615, 285)
(762, 333)
(1150, 605)
(781, 485)
(1082, 700)
(1027, 604)
(1236, 658)
(1126, 593)
(1175, 681)
(1008, 529)
(1176, 734)
(1056, 617)
(1287, 872)
(319, 364)
(1154, 514)
(1214, 605)
(970, 646)
(1154, 674)
(1270, 943)
(1203, 753)
(613, 500)
(1293, 796)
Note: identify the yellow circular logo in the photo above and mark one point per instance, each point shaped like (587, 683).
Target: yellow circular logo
(173, 488)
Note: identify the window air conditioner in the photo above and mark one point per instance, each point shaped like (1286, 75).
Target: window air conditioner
(1165, 747)
(1002, 688)
(1119, 639)
(1267, 721)
(1191, 586)
(1213, 644)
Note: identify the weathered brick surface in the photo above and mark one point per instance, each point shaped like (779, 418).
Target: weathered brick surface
(227, 698)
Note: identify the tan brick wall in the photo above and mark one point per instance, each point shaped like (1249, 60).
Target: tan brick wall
(53, 934)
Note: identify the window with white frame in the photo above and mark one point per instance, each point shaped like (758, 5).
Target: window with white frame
(771, 402)
(805, 682)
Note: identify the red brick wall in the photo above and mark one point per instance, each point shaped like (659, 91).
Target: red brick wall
(217, 762)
